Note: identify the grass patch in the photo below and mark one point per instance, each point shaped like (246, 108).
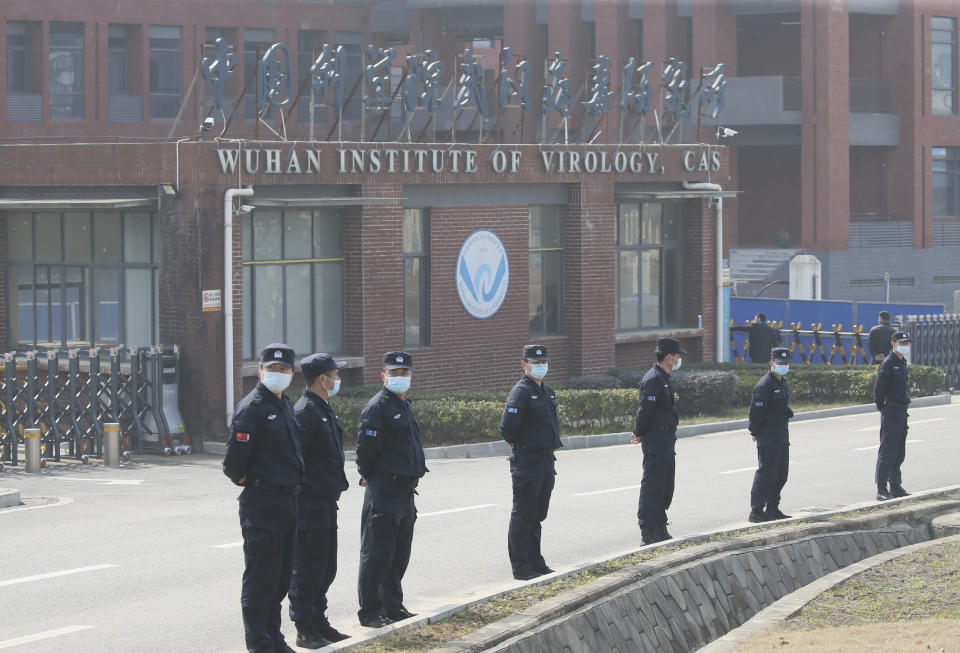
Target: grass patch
(427, 637)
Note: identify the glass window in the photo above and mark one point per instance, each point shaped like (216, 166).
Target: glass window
(309, 47)
(66, 71)
(546, 270)
(255, 43)
(416, 277)
(17, 57)
(649, 265)
(946, 181)
(292, 280)
(118, 81)
(59, 297)
(943, 60)
(165, 71)
(352, 43)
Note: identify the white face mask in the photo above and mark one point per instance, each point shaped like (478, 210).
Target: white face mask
(335, 389)
(679, 362)
(276, 381)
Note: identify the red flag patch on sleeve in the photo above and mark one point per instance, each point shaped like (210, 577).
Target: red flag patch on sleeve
(242, 437)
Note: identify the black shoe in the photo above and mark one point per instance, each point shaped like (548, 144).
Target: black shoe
(526, 575)
(308, 638)
(283, 647)
(757, 516)
(662, 534)
(648, 535)
(544, 570)
(376, 621)
(328, 632)
(897, 491)
(883, 494)
(401, 614)
(774, 513)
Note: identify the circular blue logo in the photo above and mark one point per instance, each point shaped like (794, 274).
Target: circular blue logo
(483, 274)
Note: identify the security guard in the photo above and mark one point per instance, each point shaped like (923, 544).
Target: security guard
(656, 430)
(762, 339)
(531, 428)
(263, 456)
(391, 463)
(315, 560)
(769, 413)
(878, 342)
(890, 393)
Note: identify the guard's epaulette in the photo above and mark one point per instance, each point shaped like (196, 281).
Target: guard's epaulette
(256, 399)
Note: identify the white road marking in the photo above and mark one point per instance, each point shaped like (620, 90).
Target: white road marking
(61, 501)
(54, 574)
(38, 637)
(909, 423)
(877, 446)
(101, 481)
(453, 510)
(229, 545)
(613, 489)
(742, 469)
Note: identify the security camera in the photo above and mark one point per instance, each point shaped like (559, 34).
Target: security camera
(245, 208)
(726, 132)
(207, 124)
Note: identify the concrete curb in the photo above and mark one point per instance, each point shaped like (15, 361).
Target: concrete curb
(791, 604)
(9, 497)
(500, 448)
(607, 583)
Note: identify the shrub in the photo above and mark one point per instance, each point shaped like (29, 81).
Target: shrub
(631, 379)
(704, 392)
(594, 382)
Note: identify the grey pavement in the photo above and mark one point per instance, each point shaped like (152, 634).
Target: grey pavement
(147, 558)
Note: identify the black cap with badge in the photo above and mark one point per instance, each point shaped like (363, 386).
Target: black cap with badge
(277, 353)
(669, 346)
(535, 353)
(780, 355)
(316, 364)
(900, 336)
(396, 360)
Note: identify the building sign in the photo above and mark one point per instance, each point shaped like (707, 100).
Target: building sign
(211, 300)
(483, 273)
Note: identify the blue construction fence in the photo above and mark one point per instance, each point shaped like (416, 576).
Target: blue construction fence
(828, 330)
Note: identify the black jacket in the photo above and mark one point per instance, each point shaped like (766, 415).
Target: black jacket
(879, 340)
(891, 384)
(770, 410)
(263, 440)
(656, 405)
(388, 440)
(763, 338)
(530, 416)
(321, 441)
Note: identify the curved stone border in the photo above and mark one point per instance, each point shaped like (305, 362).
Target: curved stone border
(791, 604)
(9, 497)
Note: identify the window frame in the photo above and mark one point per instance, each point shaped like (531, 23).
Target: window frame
(543, 332)
(950, 170)
(159, 94)
(950, 41)
(76, 53)
(423, 256)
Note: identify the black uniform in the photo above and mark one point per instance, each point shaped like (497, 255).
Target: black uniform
(390, 458)
(878, 341)
(890, 393)
(762, 339)
(315, 563)
(769, 413)
(263, 446)
(531, 425)
(656, 426)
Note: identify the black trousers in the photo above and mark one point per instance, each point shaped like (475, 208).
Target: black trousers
(656, 486)
(533, 476)
(386, 536)
(315, 560)
(774, 465)
(893, 444)
(268, 521)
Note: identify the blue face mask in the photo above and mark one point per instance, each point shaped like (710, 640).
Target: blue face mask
(276, 381)
(781, 369)
(538, 370)
(679, 363)
(903, 350)
(335, 389)
(398, 385)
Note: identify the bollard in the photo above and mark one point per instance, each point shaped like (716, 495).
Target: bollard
(111, 444)
(31, 441)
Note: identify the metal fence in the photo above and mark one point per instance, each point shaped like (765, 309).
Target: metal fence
(814, 345)
(936, 342)
(69, 395)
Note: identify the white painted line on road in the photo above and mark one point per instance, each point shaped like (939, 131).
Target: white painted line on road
(102, 481)
(910, 423)
(53, 574)
(453, 510)
(61, 501)
(613, 489)
(38, 637)
(742, 469)
(877, 446)
(868, 428)
(229, 545)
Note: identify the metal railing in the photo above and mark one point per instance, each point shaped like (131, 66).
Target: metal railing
(814, 345)
(936, 342)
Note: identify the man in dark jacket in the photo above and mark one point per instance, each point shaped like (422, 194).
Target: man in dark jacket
(762, 339)
(391, 463)
(891, 394)
(656, 431)
(769, 413)
(531, 428)
(263, 457)
(878, 342)
(315, 559)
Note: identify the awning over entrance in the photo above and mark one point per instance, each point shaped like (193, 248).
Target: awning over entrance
(34, 204)
(675, 194)
(310, 202)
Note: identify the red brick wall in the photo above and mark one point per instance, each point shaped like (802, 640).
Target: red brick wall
(699, 268)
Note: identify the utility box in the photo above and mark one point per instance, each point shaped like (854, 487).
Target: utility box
(805, 277)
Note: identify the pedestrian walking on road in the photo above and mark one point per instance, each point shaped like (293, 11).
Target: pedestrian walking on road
(769, 413)
(892, 398)
(878, 342)
(315, 558)
(391, 463)
(656, 432)
(531, 428)
(762, 339)
(263, 457)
